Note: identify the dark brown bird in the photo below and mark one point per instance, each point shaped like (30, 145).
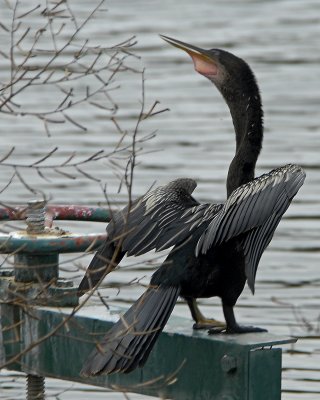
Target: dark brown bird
(216, 247)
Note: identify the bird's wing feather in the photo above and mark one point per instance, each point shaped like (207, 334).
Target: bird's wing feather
(163, 217)
(255, 208)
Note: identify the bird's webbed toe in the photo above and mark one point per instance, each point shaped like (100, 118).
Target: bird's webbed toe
(235, 329)
(244, 329)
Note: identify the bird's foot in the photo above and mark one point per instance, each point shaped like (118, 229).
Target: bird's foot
(208, 323)
(244, 329)
(216, 331)
(236, 329)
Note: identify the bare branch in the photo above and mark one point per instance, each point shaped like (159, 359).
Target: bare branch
(7, 155)
(28, 12)
(24, 183)
(8, 183)
(89, 176)
(66, 162)
(23, 36)
(45, 157)
(42, 176)
(77, 74)
(65, 174)
(77, 124)
(4, 27)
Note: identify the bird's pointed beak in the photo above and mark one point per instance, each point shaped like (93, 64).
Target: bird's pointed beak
(204, 63)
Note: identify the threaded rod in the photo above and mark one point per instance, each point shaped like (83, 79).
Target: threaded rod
(36, 213)
(35, 387)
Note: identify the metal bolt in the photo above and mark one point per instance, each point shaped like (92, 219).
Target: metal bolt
(228, 363)
(36, 216)
(35, 387)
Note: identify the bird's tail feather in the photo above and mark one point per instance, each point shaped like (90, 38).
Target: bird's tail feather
(104, 261)
(128, 343)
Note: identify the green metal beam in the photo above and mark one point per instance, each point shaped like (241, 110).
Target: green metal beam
(185, 364)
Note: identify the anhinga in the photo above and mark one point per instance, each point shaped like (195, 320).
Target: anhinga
(216, 247)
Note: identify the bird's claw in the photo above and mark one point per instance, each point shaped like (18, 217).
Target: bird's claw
(244, 329)
(236, 329)
(215, 331)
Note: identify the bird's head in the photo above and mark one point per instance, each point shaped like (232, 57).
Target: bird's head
(231, 75)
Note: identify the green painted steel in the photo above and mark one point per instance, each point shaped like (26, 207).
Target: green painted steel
(262, 376)
(50, 243)
(185, 364)
(57, 293)
(35, 267)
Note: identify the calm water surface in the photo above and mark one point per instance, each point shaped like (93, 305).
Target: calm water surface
(280, 40)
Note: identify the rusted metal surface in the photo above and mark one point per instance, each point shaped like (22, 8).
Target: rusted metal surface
(49, 243)
(80, 213)
(49, 240)
(65, 212)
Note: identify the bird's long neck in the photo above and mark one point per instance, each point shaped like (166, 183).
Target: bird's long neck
(247, 116)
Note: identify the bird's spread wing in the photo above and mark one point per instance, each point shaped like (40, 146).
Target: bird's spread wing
(256, 209)
(161, 218)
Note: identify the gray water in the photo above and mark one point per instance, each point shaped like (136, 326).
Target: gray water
(280, 40)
